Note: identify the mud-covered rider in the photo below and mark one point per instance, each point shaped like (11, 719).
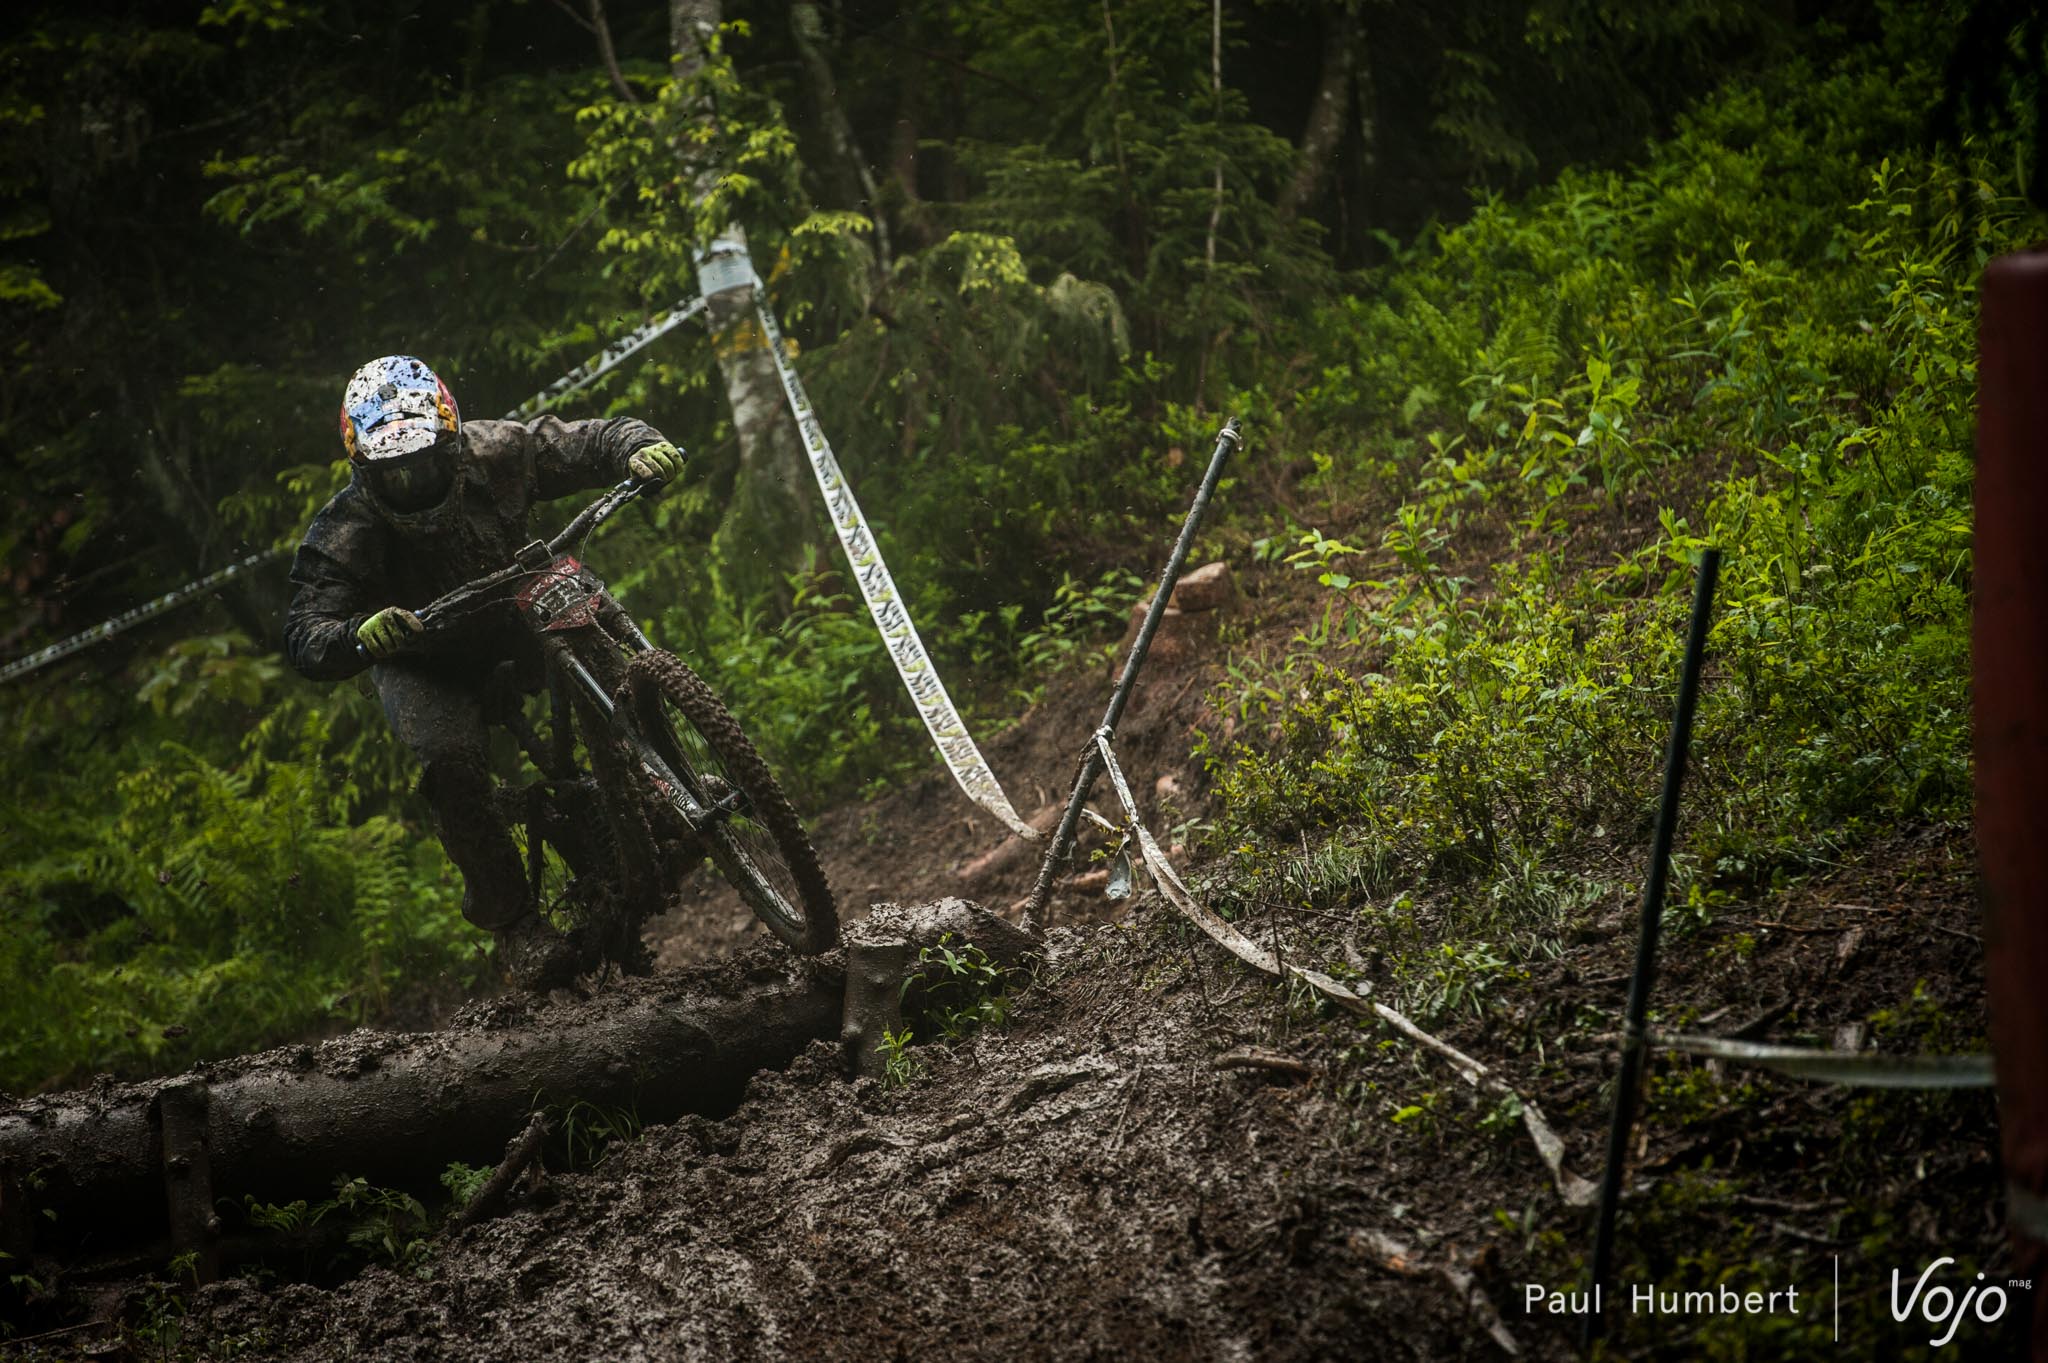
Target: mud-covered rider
(434, 503)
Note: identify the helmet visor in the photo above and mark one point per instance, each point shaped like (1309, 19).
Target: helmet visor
(418, 478)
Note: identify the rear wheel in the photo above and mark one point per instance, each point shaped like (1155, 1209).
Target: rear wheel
(758, 844)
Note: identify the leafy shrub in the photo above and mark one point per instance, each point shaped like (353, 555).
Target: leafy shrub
(200, 908)
(957, 991)
(1780, 300)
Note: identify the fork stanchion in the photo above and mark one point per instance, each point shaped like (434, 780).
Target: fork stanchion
(1634, 1045)
(1227, 439)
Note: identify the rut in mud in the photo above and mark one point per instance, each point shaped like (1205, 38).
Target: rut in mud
(1089, 1182)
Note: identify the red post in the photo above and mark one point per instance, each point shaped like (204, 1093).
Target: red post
(2010, 643)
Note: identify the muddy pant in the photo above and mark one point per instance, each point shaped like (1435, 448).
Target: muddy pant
(438, 711)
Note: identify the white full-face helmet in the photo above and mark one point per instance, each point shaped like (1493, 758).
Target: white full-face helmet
(402, 429)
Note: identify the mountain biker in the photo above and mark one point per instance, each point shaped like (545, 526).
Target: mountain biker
(433, 503)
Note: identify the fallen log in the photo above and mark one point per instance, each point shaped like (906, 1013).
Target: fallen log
(90, 1171)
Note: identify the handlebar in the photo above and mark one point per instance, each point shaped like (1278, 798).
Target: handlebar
(580, 528)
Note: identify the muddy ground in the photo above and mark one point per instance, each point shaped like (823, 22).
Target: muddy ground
(1109, 1176)
(1092, 1181)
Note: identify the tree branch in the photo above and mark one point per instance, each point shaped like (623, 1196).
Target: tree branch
(605, 50)
(581, 22)
(518, 1155)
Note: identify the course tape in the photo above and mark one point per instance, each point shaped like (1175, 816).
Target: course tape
(1576, 1191)
(99, 633)
(721, 270)
(610, 358)
(1857, 1068)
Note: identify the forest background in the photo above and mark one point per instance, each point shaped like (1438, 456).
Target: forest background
(1511, 261)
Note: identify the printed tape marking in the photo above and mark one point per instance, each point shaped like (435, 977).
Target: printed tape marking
(935, 707)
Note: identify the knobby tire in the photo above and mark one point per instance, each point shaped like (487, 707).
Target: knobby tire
(808, 920)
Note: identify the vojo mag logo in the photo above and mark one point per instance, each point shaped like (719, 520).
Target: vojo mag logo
(1940, 1308)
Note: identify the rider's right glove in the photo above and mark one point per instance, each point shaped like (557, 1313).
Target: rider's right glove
(388, 631)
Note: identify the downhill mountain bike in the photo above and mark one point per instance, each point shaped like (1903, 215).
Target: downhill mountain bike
(636, 735)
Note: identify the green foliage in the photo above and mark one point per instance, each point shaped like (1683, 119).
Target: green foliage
(464, 1183)
(589, 1130)
(1458, 978)
(958, 991)
(1420, 1115)
(1078, 614)
(1506, 737)
(955, 991)
(161, 1307)
(280, 1216)
(899, 1067)
(386, 1225)
(176, 907)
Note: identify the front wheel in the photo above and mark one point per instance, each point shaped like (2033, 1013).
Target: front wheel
(759, 845)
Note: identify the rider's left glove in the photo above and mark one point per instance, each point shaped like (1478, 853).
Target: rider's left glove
(658, 463)
(388, 631)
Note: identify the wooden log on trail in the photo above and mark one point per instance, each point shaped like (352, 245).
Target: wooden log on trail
(93, 1170)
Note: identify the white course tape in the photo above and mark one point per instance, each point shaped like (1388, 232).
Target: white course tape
(1576, 1191)
(723, 268)
(1857, 1068)
(43, 657)
(610, 358)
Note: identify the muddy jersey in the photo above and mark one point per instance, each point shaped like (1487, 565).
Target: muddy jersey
(360, 554)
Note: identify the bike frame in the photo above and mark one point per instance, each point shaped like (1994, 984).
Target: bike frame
(560, 600)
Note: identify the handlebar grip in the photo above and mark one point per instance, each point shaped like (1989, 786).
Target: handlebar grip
(426, 617)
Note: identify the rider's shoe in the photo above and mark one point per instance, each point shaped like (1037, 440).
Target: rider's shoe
(535, 957)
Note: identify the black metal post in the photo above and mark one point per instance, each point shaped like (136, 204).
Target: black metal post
(1633, 1049)
(1091, 759)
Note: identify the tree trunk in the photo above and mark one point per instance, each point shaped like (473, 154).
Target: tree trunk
(1326, 116)
(845, 173)
(767, 531)
(255, 600)
(133, 1163)
(104, 1170)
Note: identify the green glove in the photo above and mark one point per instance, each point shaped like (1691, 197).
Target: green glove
(657, 463)
(388, 631)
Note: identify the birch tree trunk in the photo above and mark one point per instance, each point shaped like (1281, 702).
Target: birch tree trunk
(768, 530)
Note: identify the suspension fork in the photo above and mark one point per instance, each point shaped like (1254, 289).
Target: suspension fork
(618, 621)
(621, 726)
